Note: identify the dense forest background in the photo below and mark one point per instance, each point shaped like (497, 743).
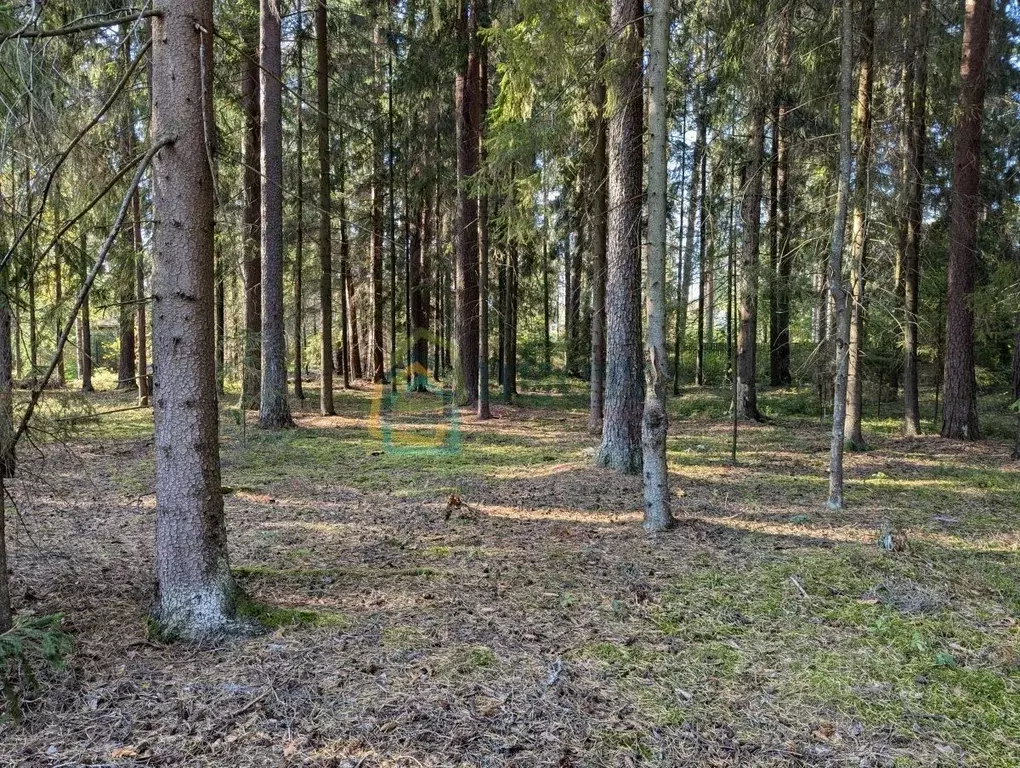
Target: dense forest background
(687, 225)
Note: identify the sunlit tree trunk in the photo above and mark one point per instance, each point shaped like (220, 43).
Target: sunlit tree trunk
(251, 362)
(274, 410)
(914, 167)
(325, 211)
(599, 237)
(655, 422)
(624, 394)
(859, 230)
(959, 412)
(837, 287)
(195, 592)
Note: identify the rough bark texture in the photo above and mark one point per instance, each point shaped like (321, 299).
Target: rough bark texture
(325, 212)
(747, 294)
(624, 393)
(195, 592)
(299, 226)
(836, 286)
(274, 410)
(599, 235)
(655, 423)
(251, 363)
(859, 230)
(483, 226)
(959, 412)
(915, 152)
(466, 107)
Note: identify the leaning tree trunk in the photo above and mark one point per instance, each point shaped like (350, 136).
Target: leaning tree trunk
(859, 231)
(836, 286)
(624, 395)
(325, 212)
(274, 410)
(251, 363)
(655, 422)
(599, 235)
(959, 411)
(915, 151)
(195, 592)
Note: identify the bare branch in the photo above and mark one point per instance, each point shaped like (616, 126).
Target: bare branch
(75, 27)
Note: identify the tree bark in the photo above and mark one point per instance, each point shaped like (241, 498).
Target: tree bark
(85, 325)
(959, 411)
(624, 393)
(780, 337)
(750, 214)
(195, 592)
(655, 422)
(466, 108)
(326, 405)
(836, 286)
(859, 230)
(694, 212)
(141, 321)
(299, 204)
(917, 139)
(599, 239)
(484, 413)
(274, 410)
(251, 364)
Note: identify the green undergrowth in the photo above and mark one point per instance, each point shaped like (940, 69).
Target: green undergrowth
(925, 645)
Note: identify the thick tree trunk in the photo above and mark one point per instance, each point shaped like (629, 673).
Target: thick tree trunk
(624, 395)
(836, 286)
(195, 592)
(274, 410)
(325, 211)
(859, 231)
(917, 139)
(959, 412)
(599, 239)
(251, 363)
(466, 107)
(747, 294)
(655, 422)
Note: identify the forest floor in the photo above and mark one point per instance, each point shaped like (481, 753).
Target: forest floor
(533, 623)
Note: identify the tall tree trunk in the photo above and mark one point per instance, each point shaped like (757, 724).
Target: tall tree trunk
(420, 272)
(836, 285)
(195, 592)
(780, 337)
(693, 214)
(699, 367)
(624, 395)
(251, 363)
(325, 211)
(391, 180)
(378, 300)
(299, 235)
(599, 240)
(348, 338)
(574, 350)
(959, 412)
(482, 9)
(859, 231)
(655, 422)
(917, 139)
(274, 410)
(466, 106)
(126, 370)
(750, 214)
